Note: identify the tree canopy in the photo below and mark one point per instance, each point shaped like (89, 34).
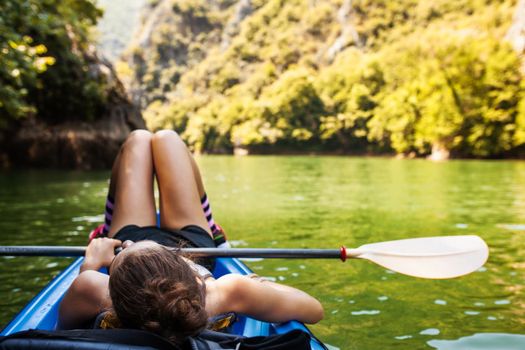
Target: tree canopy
(368, 76)
(373, 76)
(45, 55)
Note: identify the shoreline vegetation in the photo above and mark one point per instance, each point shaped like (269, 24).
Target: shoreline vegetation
(412, 79)
(241, 152)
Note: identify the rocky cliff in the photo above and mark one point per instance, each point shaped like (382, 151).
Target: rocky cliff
(416, 78)
(76, 144)
(61, 103)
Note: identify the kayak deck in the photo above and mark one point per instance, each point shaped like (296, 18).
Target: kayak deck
(42, 312)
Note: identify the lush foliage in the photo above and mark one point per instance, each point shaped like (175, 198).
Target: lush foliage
(411, 76)
(45, 66)
(464, 97)
(402, 76)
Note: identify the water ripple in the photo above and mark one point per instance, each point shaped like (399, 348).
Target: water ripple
(365, 312)
(472, 313)
(482, 341)
(512, 227)
(403, 337)
(91, 219)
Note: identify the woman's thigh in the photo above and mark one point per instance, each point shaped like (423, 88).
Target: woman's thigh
(134, 199)
(179, 197)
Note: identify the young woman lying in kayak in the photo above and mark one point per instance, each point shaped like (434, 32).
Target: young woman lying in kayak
(149, 286)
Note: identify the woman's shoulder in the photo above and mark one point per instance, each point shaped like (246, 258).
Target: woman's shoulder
(221, 293)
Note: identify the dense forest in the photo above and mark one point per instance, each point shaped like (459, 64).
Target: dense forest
(60, 103)
(409, 77)
(44, 60)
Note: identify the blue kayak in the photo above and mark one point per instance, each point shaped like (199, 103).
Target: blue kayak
(42, 312)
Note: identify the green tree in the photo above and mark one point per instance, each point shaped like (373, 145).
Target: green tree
(21, 59)
(463, 97)
(350, 89)
(45, 60)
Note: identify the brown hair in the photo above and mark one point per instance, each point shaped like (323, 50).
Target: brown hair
(154, 289)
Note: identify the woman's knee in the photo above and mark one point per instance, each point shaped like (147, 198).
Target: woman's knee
(139, 135)
(168, 137)
(138, 138)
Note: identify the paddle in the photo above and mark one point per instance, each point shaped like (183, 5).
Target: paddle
(430, 257)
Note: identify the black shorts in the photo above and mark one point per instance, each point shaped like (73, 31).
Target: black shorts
(188, 236)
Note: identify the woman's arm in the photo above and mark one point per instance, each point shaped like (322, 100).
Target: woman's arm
(265, 300)
(88, 295)
(84, 300)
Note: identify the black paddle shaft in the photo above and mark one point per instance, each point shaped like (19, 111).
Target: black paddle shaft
(266, 253)
(209, 252)
(42, 251)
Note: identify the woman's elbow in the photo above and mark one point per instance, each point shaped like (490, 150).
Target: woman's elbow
(320, 312)
(316, 314)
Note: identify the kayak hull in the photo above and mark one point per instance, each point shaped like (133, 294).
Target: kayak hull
(42, 312)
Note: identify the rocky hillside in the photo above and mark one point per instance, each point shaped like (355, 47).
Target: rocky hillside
(408, 77)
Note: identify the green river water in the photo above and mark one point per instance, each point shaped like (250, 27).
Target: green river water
(322, 202)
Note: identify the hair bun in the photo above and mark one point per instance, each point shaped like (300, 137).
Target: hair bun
(176, 310)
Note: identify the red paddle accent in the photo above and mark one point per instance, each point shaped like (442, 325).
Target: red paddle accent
(343, 253)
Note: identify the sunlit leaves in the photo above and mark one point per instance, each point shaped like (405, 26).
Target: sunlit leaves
(42, 68)
(464, 91)
(430, 75)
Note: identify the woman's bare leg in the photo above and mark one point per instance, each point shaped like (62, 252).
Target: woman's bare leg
(110, 202)
(217, 231)
(132, 183)
(114, 175)
(178, 187)
(197, 175)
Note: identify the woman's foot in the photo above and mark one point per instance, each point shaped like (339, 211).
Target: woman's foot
(98, 232)
(219, 237)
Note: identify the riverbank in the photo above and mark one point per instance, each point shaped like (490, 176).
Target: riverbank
(91, 146)
(69, 145)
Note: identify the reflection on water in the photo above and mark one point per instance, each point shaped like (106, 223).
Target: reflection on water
(513, 227)
(320, 202)
(365, 312)
(482, 341)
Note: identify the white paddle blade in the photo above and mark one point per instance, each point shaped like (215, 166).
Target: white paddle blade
(431, 257)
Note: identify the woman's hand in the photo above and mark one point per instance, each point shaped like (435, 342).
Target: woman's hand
(100, 253)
